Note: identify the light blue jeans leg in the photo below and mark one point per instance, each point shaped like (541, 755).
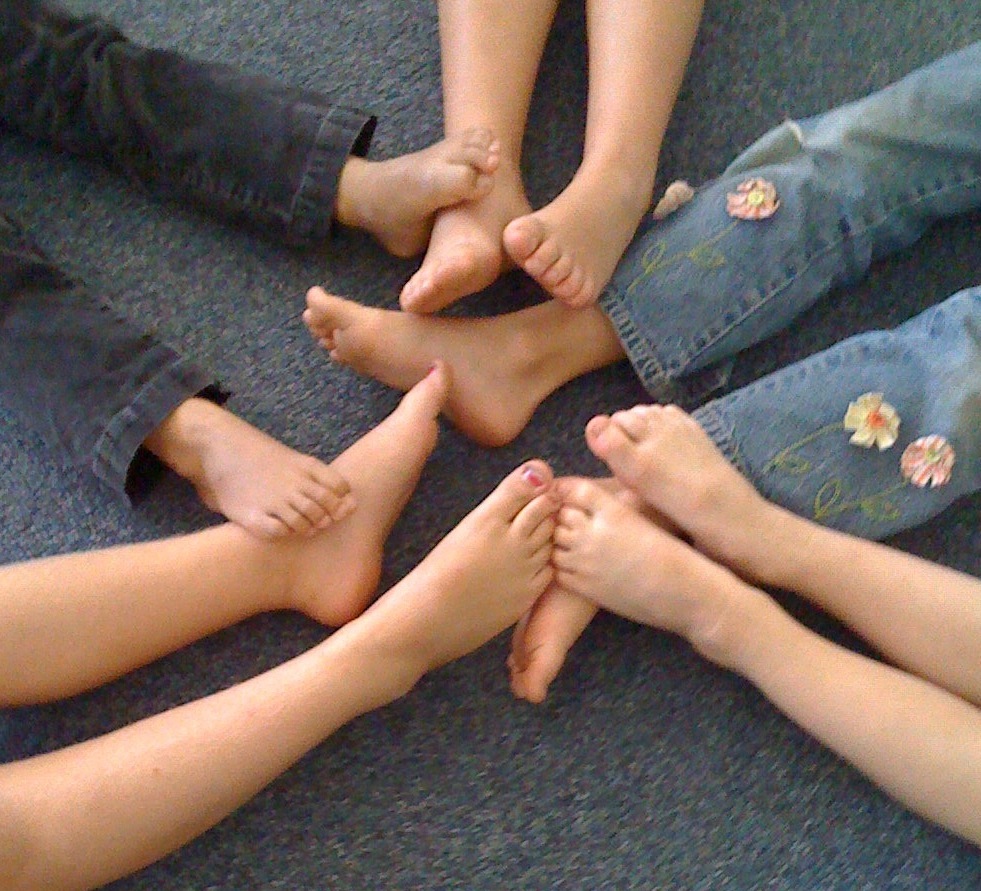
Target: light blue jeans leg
(854, 184)
(785, 431)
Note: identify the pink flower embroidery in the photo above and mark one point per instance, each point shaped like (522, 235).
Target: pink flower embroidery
(676, 195)
(755, 199)
(875, 422)
(928, 460)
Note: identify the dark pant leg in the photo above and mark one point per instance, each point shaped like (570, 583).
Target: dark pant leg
(246, 148)
(86, 379)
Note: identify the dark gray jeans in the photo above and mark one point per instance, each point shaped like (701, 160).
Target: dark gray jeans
(244, 148)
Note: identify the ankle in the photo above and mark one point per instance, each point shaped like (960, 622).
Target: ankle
(178, 440)
(352, 186)
(722, 626)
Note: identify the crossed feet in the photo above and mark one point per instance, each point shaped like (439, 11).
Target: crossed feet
(503, 366)
(570, 247)
(609, 553)
(445, 607)
(396, 200)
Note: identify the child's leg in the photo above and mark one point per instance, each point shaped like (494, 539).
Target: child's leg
(922, 616)
(853, 184)
(140, 792)
(502, 367)
(785, 433)
(915, 739)
(637, 56)
(490, 55)
(127, 606)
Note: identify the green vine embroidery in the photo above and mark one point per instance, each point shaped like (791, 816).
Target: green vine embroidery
(877, 506)
(796, 465)
(830, 499)
(704, 255)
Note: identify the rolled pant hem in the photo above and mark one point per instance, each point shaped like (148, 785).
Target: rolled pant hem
(119, 459)
(343, 132)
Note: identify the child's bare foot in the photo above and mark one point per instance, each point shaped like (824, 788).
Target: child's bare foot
(477, 581)
(332, 576)
(662, 453)
(396, 200)
(544, 636)
(572, 245)
(610, 554)
(503, 367)
(251, 478)
(465, 253)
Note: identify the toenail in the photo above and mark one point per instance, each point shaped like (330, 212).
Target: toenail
(531, 475)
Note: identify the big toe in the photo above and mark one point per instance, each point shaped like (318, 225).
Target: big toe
(427, 398)
(523, 237)
(611, 443)
(517, 490)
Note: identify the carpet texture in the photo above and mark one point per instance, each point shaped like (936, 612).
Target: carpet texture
(646, 768)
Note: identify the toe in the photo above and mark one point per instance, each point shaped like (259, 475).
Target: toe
(523, 237)
(427, 398)
(518, 490)
(582, 495)
(610, 443)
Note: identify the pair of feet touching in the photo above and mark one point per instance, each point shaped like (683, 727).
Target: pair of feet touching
(570, 247)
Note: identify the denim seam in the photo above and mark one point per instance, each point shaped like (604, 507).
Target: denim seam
(722, 433)
(638, 348)
(342, 132)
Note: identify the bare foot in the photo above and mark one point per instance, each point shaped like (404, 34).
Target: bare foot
(333, 575)
(396, 200)
(251, 478)
(503, 367)
(610, 554)
(662, 453)
(544, 636)
(465, 253)
(479, 579)
(572, 245)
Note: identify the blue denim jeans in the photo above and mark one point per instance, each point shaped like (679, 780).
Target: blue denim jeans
(854, 184)
(245, 148)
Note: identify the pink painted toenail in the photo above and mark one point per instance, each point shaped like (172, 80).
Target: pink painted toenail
(533, 476)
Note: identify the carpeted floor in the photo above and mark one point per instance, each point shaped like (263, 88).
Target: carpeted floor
(646, 768)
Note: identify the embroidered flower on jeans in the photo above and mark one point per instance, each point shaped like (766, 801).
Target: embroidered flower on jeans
(676, 195)
(875, 422)
(755, 199)
(928, 460)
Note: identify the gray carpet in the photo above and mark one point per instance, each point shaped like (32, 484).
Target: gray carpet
(646, 768)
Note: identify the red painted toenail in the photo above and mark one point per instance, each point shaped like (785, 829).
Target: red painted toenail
(533, 476)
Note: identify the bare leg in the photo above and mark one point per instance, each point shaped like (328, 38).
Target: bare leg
(921, 616)
(175, 775)
(918, 741)
(637, 55)
(490, 54)
(127, 606)
(502, 367)
(396, 200)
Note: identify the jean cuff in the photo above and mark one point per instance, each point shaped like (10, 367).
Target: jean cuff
(120, 460)
(652, 371)
(342, 132)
